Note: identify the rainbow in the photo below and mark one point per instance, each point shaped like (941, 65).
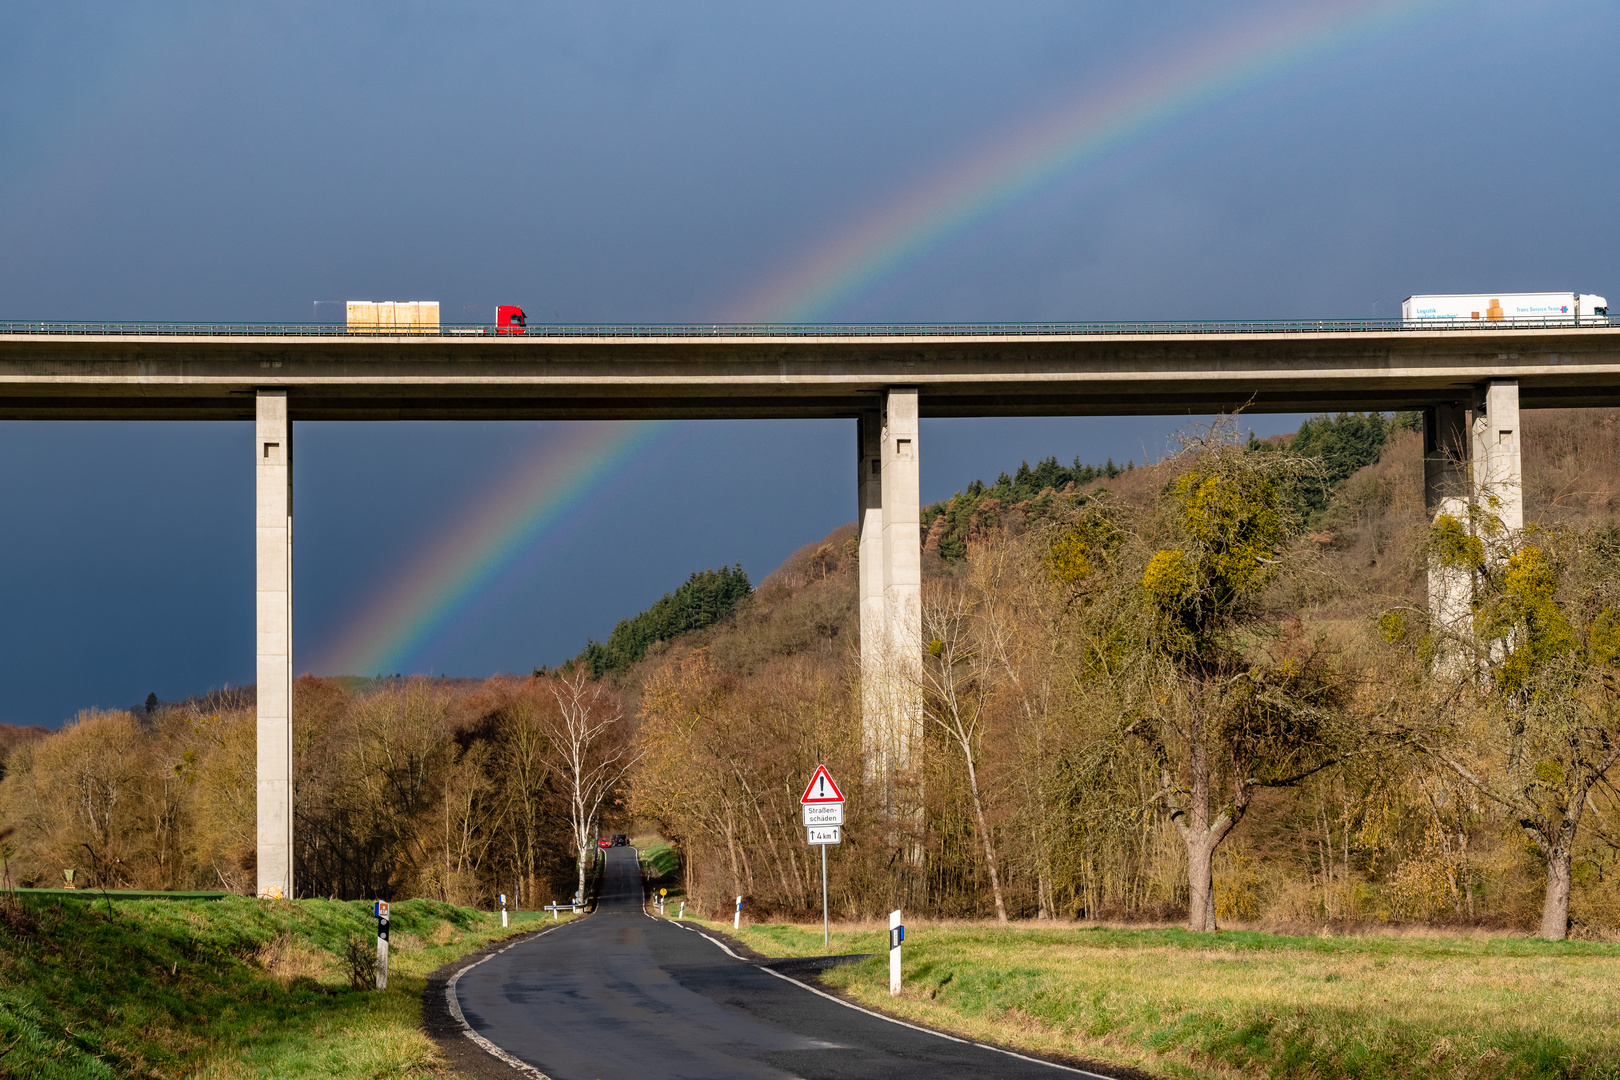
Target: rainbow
(439, 587)
(1084, 131)
(502, 528)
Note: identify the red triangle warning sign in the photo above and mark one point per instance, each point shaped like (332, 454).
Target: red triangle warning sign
(822, 789)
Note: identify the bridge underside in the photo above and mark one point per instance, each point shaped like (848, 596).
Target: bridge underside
(315, 403)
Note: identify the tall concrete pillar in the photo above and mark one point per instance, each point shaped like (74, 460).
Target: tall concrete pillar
(891, 591)
(1473, 472)
(272, 450)
(1497, 467)
(1447, 490)
(902, 532)
(874, 632)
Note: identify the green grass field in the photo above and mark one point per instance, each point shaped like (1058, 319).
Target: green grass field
(220, 989)
(1248, 1004)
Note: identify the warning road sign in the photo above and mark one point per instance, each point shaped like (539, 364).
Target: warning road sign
(822, 789)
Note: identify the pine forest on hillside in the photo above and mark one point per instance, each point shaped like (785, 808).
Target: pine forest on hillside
(1203, 690)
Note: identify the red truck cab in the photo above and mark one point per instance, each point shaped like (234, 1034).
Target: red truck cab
(509, 319)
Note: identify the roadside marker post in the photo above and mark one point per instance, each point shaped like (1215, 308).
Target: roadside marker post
(682, 915)
(897, 934)
(823, 806)
(736, 920)
(503, 909)
(381, 911)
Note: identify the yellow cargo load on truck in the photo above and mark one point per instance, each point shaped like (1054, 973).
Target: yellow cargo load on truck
(393, 316)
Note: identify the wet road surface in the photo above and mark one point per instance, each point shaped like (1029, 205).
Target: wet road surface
(620, 996)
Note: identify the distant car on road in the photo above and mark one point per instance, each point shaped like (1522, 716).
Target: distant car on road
(620, 840)
(604, 842)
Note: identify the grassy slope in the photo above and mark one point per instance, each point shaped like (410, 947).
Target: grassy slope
(1249, 1004)
(228, 988)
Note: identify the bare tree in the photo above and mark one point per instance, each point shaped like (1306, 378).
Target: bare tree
(958, 681)
(590, 753)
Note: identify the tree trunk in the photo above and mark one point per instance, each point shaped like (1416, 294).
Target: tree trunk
(1555, 907)
(1200, 882)
(984, 837)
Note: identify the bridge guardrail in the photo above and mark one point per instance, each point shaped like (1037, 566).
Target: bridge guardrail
(778, 330)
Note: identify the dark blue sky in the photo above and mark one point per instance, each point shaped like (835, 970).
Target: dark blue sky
(642, 162)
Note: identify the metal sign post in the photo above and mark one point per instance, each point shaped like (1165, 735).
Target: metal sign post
(381, 911)
(823, 807)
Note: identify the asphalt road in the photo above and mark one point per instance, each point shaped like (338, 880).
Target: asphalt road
(620, 995)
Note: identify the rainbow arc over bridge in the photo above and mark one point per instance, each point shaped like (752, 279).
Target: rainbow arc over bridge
(1086, 130)
(510, 524)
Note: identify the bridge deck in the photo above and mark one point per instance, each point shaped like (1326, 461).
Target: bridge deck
(83, 371)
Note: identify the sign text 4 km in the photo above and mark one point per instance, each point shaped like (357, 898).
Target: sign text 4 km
(823, 807)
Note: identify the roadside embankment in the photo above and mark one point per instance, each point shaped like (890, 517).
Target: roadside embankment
(1241, 1003)
(91, 988)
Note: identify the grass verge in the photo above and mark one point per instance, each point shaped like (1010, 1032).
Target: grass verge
(1245, 1003)
(221, 989)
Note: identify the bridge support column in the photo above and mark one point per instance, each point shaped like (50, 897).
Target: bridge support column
(891, 592)
(1474, 473)
(1446, 491)
(1498, 467)
(272, 449)
(874, 631)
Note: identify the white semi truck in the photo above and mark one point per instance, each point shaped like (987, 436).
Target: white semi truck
(1550, 309)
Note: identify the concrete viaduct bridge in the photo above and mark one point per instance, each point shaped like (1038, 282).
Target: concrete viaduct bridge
(1469, 380)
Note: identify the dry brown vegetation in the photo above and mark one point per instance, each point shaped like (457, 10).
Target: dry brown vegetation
(402, 788)
(1073, 814)
(457, 791)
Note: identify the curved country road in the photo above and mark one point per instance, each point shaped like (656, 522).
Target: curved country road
(620, 996)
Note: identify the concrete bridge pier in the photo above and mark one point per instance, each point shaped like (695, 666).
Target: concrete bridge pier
(890, 514)
(272, 449)
(1472, 471)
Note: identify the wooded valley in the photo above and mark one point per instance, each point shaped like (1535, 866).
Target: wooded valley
(1202, 690)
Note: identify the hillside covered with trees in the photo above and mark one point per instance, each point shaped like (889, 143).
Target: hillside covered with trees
(1205, 683)
(1204, 689)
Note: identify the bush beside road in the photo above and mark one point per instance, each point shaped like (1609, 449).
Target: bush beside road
(222, 989)
(1244, 1003)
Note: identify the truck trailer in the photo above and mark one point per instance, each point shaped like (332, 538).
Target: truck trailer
(421, 316)
(1535, 309)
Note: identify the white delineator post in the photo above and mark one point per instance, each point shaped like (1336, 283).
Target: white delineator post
(381, 911)
(897, 934)
(736, 920)
(503, 909)
(272, 449)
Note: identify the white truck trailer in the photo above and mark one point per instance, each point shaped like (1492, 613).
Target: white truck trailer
(1550, 309)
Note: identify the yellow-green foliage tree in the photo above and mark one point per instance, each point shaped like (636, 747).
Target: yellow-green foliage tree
(1536, 726)
(1228, 701)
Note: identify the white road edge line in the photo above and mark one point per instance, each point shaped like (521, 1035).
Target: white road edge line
(869, 1012)
(466, 1028)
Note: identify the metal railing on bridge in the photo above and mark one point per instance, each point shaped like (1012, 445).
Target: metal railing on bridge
(789, 330)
